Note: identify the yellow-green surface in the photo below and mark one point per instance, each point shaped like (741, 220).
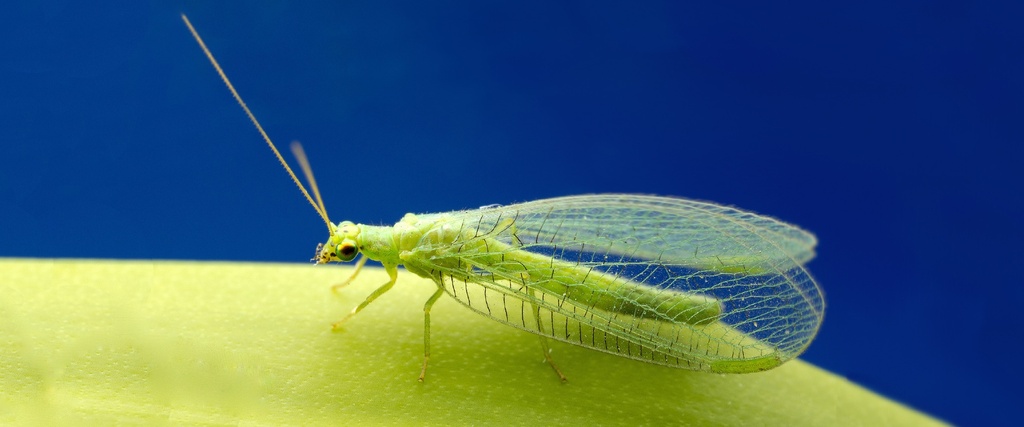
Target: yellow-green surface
(188, 343)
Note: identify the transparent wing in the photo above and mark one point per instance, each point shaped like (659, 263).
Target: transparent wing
(666, 280)
(703, 233)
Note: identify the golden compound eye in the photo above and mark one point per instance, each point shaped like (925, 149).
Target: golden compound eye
(346, 251)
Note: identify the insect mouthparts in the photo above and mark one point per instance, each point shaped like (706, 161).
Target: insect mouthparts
(318, 255)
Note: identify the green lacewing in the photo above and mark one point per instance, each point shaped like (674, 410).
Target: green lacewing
(663, 280)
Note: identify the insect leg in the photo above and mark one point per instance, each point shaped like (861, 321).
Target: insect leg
(547, 357)
(544, 340)
(426, 329)
(358, 268)
(393, 273)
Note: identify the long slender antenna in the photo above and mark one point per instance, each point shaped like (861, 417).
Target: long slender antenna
(300, 155)
(309, 173)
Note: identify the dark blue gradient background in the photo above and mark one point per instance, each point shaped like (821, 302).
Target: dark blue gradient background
(891, 129)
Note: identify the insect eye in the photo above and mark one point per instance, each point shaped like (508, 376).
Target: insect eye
(346, 251)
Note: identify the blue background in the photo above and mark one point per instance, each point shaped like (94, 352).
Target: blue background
(891, 129)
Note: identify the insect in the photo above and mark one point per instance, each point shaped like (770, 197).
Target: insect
(663, 280)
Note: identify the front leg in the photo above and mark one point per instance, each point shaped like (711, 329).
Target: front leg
(358, 267)
(392, 271)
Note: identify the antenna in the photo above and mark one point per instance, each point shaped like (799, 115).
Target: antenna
(298, 151)
(300, 155)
